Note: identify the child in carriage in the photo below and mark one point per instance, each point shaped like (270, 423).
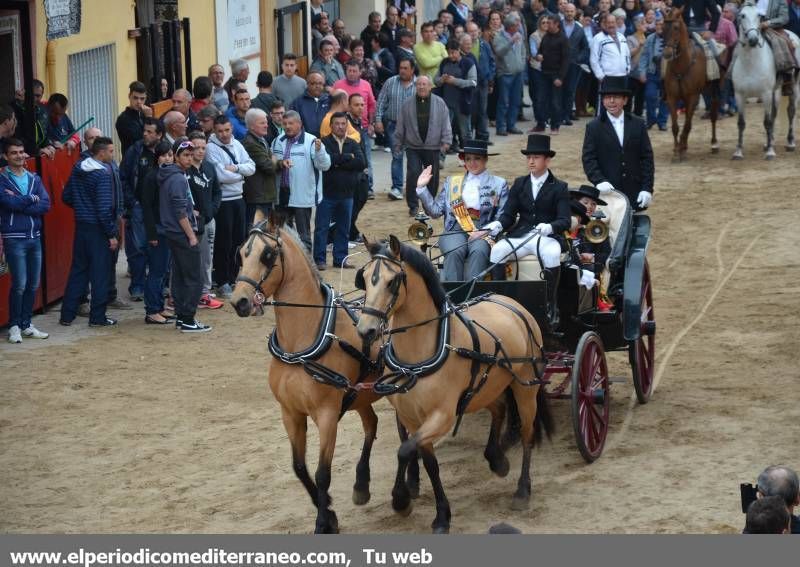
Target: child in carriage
(591, 256)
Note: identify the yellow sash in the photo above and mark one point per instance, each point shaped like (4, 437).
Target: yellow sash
(457, 204)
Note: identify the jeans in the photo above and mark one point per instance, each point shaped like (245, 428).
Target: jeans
(24, 257)
(368, 142)
(207, 253)
(340, 210)
(568, 90)
(417, 160)
(187, 277)
(509, 96)
(397, 157)
(135, 250)
(299, 218)
(91, 264)
(657, 110)
(231, 232)
(480, 117)
(553, 95)
(463, 261)
(540, 104)
(157, 262)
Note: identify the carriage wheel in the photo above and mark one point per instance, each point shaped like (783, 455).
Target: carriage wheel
(641, 351)
(591, 396)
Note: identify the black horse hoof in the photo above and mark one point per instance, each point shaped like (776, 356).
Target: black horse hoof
(413, 490)
(360, 496)
(437, 530)
(520, 503)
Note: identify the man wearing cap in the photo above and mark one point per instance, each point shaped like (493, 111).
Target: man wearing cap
(537, 207)
(616, 148)
(468, 203)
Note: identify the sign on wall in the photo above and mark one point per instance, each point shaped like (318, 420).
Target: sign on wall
(244, 30)
(63, 18)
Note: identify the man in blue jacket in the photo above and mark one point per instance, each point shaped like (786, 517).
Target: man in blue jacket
(314, 104)
(93, 192)
(23, 202)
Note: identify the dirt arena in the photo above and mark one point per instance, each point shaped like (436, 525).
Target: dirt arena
(141, 429)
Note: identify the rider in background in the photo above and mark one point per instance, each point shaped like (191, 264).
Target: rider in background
(468, 202)
(775, 14)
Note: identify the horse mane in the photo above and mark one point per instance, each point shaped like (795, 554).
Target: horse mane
(293, 235)
(421, 264)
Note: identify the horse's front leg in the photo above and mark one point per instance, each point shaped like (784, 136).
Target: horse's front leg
(740, 101)
(714, 112)
(673, 113)
(327, 423)
(441, 523)
(296, 426)
(769, 124)
(691, 105)
(791, 108)
(369, 421)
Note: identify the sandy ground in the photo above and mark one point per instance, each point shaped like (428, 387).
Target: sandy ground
(141, 429)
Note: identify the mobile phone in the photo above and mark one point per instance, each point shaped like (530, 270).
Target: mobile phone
(749, 495)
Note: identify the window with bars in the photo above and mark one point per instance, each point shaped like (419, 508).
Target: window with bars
(92, 89)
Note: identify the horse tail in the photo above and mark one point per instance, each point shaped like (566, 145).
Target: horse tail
(543, 422)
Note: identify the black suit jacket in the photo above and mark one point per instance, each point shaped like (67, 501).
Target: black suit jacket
(551, 206)
(629, 168)
(342, 178)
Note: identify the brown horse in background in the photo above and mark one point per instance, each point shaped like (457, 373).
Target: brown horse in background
(685, 80)
(498, 342)
(275, 264)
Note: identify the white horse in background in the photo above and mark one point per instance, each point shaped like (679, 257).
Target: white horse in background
(754, 75)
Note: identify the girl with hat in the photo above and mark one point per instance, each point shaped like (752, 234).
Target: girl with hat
(468, 202)
(590, 256)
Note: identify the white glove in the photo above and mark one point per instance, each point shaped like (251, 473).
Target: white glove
(493, 227)
(587, 279)
(421, 190)
(544, 228)
(605, 187)
(645, 197)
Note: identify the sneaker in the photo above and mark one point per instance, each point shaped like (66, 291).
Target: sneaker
(370, 195)
(321, 266)
(84, 309)
(387, 150)
(109, 322)
(34, 333)
(554, 131)
(352, 244)
(226, 291)
(208, 302)
(64, 322)
(120, 304)
(137, 297)
(515, 131)
(501, 133)
(536, 129)
(14, 335)
(395, 195)
(194, 327)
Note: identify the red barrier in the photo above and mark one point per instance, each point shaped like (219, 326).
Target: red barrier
(59, 230)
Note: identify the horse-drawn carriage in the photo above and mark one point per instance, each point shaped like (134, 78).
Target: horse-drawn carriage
(575, 350)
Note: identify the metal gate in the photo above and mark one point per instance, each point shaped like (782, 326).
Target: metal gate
(92, 89)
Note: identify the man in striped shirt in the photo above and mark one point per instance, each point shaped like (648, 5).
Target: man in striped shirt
(394, 93)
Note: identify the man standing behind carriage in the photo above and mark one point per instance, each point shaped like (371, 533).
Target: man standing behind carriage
(616, 148)
(541, 201)
(468, 202)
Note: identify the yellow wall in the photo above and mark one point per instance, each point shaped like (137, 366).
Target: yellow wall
(100, 25)
(203, 33)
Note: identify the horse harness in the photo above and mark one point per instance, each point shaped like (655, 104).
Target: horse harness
(403, 376)
(326, 335)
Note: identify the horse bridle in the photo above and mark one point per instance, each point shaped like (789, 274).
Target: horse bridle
(394, 285)
(742, 36)
(268, 258)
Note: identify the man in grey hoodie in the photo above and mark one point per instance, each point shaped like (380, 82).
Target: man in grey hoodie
(232, 165)
(180, 226)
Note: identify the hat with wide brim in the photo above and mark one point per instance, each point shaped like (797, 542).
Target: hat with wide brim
(615, 85)
(538, 144)
(476, 148)
(587, 191)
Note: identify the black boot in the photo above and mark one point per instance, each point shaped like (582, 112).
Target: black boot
(552, 277)
(499, 272)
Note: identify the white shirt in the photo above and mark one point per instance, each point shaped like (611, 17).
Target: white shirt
(537, 182)
(619, 125)
(470, 192)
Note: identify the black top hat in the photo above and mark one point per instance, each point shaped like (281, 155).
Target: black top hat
(615, 85)
(476, 147)
(538, 144)
(587, 191)
(580, 210)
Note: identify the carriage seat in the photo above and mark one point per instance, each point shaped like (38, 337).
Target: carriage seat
(619, 216)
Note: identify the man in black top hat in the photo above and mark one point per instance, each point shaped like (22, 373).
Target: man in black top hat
(537, 208)
(616, 148)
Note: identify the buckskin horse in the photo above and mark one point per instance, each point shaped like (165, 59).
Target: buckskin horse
(685, 80)
(316, 370)
(445, 361)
